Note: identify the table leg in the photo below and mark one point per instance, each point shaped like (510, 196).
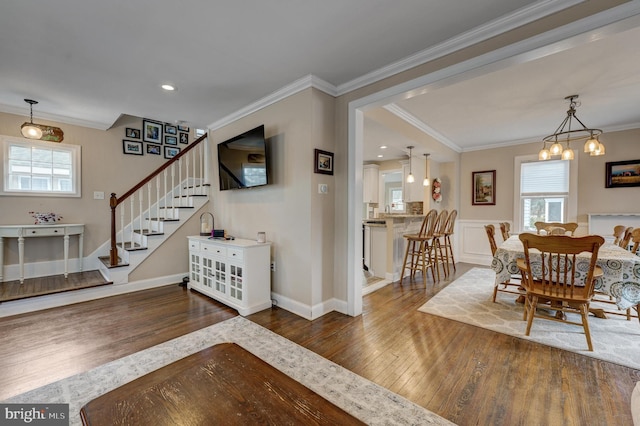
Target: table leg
(21, 257)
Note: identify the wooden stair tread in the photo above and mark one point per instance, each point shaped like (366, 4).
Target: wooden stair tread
(40, 286)
(106, 260)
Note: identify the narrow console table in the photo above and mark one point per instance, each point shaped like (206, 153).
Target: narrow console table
(31, 231)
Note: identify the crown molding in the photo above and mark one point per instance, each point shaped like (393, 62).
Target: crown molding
(291, 89)
(484, 32)
(10, 109)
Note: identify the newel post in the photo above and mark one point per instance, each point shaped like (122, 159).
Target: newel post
(113, 252)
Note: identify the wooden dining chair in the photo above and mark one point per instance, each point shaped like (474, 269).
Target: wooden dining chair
(635, 239)
(618, 233)
(553, 276)
(417, 255)
(551, 226)
(505, 229)
(507, 286)
(626, 238)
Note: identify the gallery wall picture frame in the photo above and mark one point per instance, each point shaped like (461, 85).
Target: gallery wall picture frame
(323, 162)
(622, 174)
(483, 185)
(152, 131)
(170, 140)
(132, 133)
(132, 147)
(170, 129)
(183, 129)
(170, 152)
(153, 149)
(184, 137)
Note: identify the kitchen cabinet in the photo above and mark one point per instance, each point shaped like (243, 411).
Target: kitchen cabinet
(234, 272)
(370, 183)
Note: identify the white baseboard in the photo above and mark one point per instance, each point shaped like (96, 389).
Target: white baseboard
(309, 312)
(16, 307)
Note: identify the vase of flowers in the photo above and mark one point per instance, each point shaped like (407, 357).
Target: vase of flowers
(45, 218)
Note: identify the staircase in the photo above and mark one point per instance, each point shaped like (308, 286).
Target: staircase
(148, 214)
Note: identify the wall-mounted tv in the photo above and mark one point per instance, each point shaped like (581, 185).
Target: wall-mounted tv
(242, 160)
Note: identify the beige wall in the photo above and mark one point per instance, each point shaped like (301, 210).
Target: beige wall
(593, 197)
(104, 168)
(296, 219)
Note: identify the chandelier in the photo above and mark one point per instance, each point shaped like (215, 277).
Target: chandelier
(560, 141)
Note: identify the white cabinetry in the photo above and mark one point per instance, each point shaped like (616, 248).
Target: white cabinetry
(370, 183)
(234, 272)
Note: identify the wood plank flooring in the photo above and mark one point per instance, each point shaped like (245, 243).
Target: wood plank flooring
(468, 375)
(32, 287)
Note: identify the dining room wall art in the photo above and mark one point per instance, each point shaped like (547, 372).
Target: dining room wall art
(484, 188)
(622, 174)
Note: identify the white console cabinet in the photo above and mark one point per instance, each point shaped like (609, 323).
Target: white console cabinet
(234, 272)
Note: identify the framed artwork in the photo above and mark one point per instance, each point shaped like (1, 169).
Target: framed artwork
(170, 130)
(183, 129)
(132, 133)
(170, 152)
(132, 147)
(622, 174)
(323, 162)
(170, 140)
(152, 131)
(184, 137)
(484, 188)
(153, 149)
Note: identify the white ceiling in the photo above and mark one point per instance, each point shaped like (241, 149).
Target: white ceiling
(89, 61)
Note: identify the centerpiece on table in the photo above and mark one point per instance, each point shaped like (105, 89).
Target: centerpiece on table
(45, 218)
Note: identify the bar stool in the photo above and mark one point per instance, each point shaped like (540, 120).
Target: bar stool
(438, 243)
(417, 255)
(447, 244)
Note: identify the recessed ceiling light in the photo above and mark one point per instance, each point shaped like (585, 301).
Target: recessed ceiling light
(383, 147)
(168, 87)
(380, 155)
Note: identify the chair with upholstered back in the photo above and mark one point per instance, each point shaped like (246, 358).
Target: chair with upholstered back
(417, 255)
(555, 274)
(618, 233)
(550, 226)
(505, 229)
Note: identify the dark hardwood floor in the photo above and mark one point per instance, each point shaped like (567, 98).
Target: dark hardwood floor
(32, 287)
(466, 374)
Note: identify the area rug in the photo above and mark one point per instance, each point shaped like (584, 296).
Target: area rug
(361, 398)
(468, 300)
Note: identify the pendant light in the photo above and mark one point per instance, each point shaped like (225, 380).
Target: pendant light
(564, 134)
(426, 182)
(410, 178)
(30, 130)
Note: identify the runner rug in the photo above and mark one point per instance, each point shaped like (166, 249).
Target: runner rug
(468, 300)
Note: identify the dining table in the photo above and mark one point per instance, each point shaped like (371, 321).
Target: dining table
(621, 270)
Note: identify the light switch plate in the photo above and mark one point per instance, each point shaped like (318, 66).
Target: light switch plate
(98, 195)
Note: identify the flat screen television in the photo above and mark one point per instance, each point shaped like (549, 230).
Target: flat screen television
(242, 160)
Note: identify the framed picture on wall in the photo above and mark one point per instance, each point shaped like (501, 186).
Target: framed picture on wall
(170, 152)
(622, 174)
(153, 149)
(323, 162)
(170, 140)
(152, 131)
(484, 188)
(132, 133)
(132, 147)
(170, 130)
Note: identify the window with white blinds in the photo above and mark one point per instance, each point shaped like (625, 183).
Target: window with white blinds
(544, 192)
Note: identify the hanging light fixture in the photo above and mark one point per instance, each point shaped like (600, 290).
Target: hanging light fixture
(426, 182)
(30, 130)
(39, 131)
(410, 178)
(564, 134)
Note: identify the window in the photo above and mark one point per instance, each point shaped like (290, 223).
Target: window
(543, 192)
(33, 167)
(397, 204)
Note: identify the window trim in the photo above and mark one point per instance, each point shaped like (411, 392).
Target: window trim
(572, 198)
(76, 154)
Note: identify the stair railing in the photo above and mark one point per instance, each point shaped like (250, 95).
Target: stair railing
(189, 166)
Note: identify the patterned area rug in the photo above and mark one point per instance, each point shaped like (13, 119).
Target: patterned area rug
(468, 300)
(361, 398)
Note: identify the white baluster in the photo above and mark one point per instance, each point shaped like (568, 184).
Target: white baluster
(158, 197)
(180, 181)
(173, 187)
(133, 197)
(121, 226)
(189, 186)
(201, 174)
(166, 204)
(149, 204)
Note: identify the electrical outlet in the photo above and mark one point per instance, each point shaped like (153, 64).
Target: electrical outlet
(273, 266)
